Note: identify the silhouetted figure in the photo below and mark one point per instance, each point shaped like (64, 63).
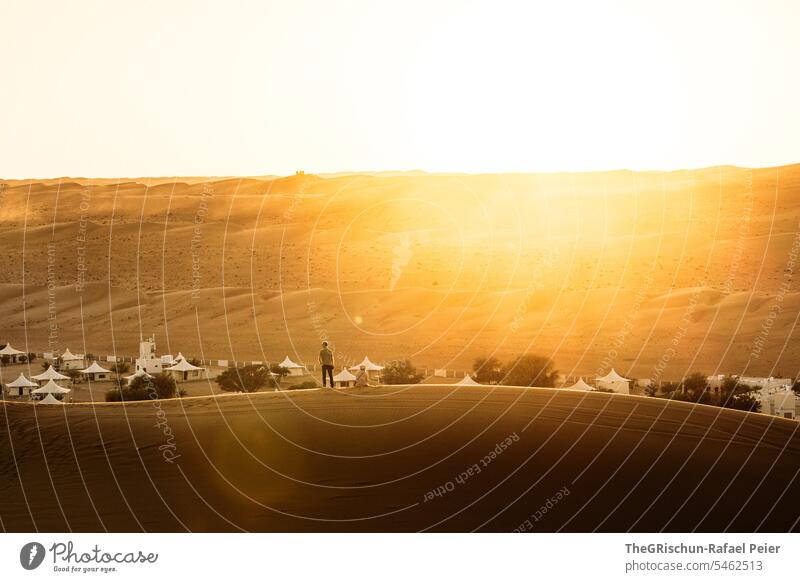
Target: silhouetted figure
(326, 361)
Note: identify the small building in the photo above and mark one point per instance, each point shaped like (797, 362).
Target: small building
(13, 355)
(70, 361)
(148, 361)
(49, 374)
(467, 381)
(96, 372)
(51, 389)
(183, 371)
(20, 387)
(343, 379)
(614, 382)
(294, 368)
(373, 370)
(168, 360)
(580, 385)
(783, 404)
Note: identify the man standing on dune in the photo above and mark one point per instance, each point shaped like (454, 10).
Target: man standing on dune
(326, 361)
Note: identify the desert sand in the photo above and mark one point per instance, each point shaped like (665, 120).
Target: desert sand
(654, 273)
(368, 460)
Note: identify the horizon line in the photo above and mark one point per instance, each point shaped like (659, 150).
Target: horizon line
(376, 173)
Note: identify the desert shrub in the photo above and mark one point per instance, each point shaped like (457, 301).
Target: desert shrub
(159, 386)
(400, 372)
(488, 370)
(695, 387)
(279, 371)
(530, 370)
(745, 401)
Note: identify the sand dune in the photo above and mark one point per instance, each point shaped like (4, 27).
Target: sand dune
(572, 266)
(368, 460)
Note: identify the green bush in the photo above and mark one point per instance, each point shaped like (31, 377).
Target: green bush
(160, 386)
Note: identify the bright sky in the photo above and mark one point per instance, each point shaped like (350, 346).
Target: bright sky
(109, 89)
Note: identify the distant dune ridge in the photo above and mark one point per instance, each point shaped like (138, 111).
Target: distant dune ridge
(653, 273)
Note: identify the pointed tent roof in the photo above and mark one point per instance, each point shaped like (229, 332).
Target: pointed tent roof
(344, 376)
(68, 355)
(368, 364)
(183, 366)
(51, 388)
(287, 363)
(21, 382)
(467, 381)
(50, 399)
(179, 357)
(9, 351)
(580, 385)
(95, 368)
(50, 374)
(612, 376)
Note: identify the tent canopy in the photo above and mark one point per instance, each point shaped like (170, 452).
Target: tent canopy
(50, 399)
(287, 363)
(183, 366)
(467, 381)
(344, 376)
(21, 382)
(137, 374)
(9, 351)
(68, 355)
(95, 368)
(612, 376)
(580, 385)
(51, 388)
(368, 365)
(50, 374)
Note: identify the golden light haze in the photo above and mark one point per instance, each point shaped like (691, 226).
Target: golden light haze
(246, 88)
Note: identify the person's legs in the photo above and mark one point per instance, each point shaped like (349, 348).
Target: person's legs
(324, 371)
(330, 374)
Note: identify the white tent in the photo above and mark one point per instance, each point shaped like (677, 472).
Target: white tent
(20, 386)
(373, 369)
(580, 385)
(51, 388)
(613, 381)
(137, 374)
(72, 361)
(183, 370)
(368, 364)
(467, 381)
(179, 357)
(294, 368)
(11, 353)
(50, 374)
(343, 378)
(50, 399)
(96, 372)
